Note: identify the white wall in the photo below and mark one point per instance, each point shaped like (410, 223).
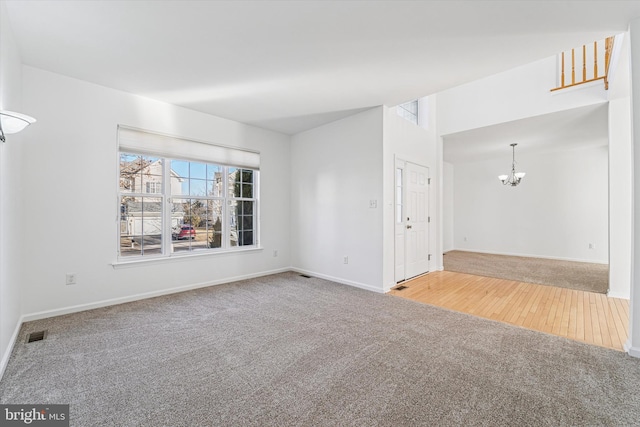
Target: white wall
(10, 197)
(620, 175)
(620, 198)
(560, 207)
(514, 94)
(633, 343)
(336, 170)
(417, 144)
(69, 178)
(448, 207)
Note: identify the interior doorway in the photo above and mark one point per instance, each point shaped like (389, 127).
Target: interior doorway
(411, 220)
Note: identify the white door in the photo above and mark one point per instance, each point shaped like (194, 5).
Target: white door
(412, 220)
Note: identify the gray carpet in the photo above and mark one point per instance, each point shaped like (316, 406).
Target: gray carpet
(582, 276)
(283, 350)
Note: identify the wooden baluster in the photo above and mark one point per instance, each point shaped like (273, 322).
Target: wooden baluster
(608, 45)
(609, 41)
(595, 60)
(562, 78)
(573, 66)
(584, 63)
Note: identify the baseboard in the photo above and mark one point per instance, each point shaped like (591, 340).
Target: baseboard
(145, 295)
(338, 280)
(631, 350)
(618, 295)
(7, 354)
(114, 301)
(136, 297)
(532, 256)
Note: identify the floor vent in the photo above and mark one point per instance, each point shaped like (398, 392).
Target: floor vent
(305, 276)
(36, 336)
(400, 288)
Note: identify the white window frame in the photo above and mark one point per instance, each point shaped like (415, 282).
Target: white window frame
(166, 200)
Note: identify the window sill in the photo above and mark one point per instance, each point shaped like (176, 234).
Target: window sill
(174, 258)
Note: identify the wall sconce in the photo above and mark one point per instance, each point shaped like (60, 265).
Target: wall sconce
(11, 122)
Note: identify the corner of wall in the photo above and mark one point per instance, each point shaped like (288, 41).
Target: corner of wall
(10, 200)
(631, 351)
(6, 354)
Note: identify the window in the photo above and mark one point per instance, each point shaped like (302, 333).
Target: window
(174, 206)
(409, 111)
(153, 187)
(242, 205)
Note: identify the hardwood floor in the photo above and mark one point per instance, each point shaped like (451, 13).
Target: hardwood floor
(583, 316)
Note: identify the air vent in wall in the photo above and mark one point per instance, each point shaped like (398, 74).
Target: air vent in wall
(36, 336)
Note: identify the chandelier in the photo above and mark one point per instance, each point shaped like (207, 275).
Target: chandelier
(514, 177)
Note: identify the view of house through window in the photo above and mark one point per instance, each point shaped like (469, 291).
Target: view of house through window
(178, 206)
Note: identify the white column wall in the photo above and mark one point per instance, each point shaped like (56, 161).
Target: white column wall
(448, 207)
(620, 198)
(620, 172)
(633, 343)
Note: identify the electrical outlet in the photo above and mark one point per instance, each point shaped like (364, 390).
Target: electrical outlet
(373, 204)
(592, 246)
(465, 238)
(275, 253)
(346, 260)
(71, 278)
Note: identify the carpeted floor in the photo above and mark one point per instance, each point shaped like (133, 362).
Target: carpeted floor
(582, 276)
(283, 350)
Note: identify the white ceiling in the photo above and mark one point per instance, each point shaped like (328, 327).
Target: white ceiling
(565, 130)
(293, 65)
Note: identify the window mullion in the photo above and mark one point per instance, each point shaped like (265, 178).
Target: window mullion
(254, 211)
(167, 241)
(226, 227)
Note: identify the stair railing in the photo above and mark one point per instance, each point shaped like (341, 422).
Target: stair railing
(564, 83)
